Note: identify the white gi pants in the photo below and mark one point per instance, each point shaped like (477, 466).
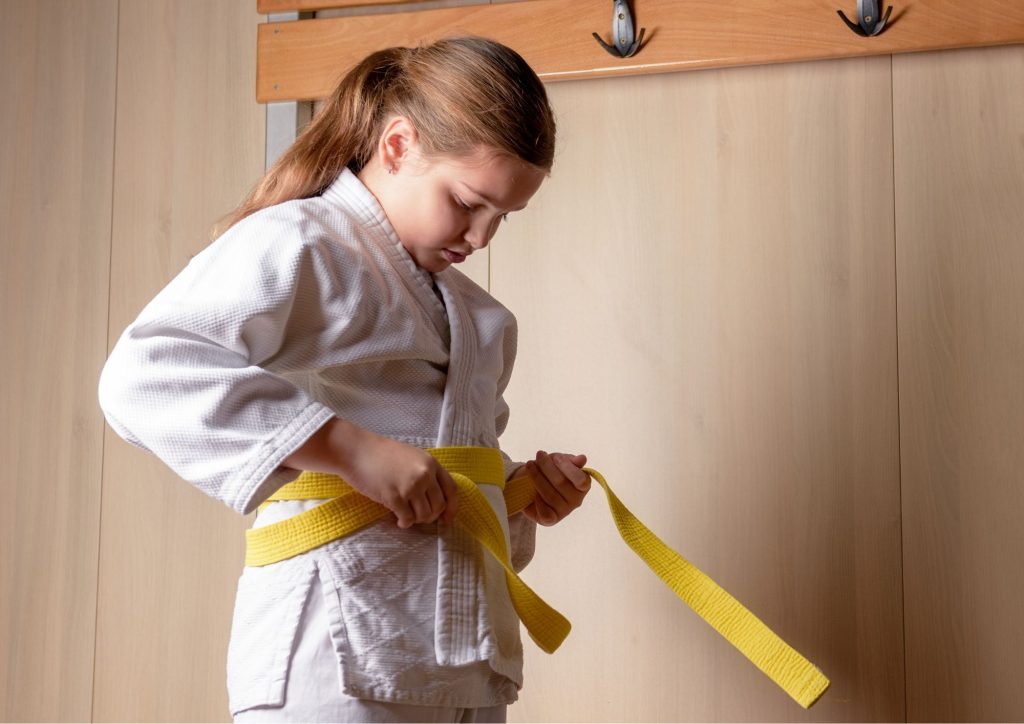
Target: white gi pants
(313, 691)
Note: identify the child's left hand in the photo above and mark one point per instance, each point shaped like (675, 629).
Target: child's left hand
(561, 486)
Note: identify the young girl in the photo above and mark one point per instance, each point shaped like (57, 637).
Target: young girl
(327, 330)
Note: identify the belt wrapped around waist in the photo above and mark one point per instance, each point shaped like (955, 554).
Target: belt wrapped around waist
(347, 511)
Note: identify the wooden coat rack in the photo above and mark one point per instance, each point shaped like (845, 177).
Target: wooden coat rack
(303, 59)
(300, 58)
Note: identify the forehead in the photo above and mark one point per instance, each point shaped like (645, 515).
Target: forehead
(506, 180)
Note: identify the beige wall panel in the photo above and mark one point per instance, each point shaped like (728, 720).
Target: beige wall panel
(959, 141)
(56, 162)
(190, 140)
(705, 291)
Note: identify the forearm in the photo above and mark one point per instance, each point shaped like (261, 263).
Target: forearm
(329, 449)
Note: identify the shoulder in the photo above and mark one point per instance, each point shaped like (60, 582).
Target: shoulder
(284, 234)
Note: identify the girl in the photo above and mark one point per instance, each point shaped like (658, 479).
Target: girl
(327, 330)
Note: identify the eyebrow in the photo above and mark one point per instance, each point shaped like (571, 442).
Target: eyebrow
(487, 198)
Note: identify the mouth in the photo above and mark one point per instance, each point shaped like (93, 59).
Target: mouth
(453, 256)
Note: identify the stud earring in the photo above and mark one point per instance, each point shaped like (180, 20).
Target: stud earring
(392, 170)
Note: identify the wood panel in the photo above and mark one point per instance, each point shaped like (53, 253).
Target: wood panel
(705, 293)
(56, 161)
(304, 59)
(959, 140)
(269, 7)
(190, 143)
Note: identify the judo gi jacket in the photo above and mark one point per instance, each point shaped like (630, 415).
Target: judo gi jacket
(303, 311)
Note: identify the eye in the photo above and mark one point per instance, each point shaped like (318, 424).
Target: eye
(504, 217)
(462, 204)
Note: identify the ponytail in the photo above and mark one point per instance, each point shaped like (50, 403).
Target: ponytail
(459, 93)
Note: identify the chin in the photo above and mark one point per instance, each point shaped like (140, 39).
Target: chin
(434, 266)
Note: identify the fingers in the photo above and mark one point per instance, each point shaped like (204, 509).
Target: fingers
(540, 512)
(403, 512)
(558, 479)
(451, 497)
(434, 495)
(560, 485)
(571, 469)
(562, 473)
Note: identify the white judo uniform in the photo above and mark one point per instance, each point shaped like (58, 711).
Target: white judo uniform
(303, 311)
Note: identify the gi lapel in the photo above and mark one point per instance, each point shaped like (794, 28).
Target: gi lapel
(457, 415)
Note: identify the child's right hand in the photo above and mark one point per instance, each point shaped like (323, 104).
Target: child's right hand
(404, 478)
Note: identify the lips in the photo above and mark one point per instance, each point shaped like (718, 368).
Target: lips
(453, 256)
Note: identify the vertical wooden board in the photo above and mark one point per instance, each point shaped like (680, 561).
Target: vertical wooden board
(959, 142)
(705, 292)
(190, 144)
(56, 162)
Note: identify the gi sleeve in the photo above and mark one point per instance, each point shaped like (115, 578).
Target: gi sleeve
(185, 381)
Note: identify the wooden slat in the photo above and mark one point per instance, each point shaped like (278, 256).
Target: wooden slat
(56, 163)
(303, 60)
(286, 6)
(170, 556)
(959, 144)
(723, 311)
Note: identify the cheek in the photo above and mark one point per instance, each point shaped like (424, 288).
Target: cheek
(442, 221)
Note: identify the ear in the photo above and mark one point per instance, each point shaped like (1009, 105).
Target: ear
(397, 143)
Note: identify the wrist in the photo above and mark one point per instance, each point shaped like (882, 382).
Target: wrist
(331, 449)
(345, 443)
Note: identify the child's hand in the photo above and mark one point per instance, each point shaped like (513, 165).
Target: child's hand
(406, 479)
(561, 486)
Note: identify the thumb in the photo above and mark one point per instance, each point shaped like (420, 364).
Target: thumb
(579, 460)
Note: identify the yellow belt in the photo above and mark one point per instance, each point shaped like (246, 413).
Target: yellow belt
(347, 511)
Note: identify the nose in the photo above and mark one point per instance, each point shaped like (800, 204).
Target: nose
(478, 235)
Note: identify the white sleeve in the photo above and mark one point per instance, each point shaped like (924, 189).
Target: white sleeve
(184, 380)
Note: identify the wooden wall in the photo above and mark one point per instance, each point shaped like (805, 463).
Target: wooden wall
(186, 154)
(778, 306)
(714, 325)
(959, 162)
(128, 129)
(56, 167)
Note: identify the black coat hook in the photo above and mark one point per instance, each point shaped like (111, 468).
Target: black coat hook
(868, 22)
(622, 32)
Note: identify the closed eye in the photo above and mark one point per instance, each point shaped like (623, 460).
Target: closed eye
(469, 209)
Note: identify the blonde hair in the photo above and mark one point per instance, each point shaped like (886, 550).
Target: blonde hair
(460, 94)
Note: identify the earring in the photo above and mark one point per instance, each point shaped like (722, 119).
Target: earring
(392, 170)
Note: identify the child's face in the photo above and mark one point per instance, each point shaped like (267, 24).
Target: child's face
(444, 209)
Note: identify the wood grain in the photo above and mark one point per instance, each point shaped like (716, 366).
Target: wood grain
(305, 59)
(171, 556)
(959, 140)
(707, 311)
(56, 161)
(269, 7)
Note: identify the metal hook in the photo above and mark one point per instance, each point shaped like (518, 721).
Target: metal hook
(868, 21)
(622, 32)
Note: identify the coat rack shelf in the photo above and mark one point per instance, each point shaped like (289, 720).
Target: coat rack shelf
(303, 59)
